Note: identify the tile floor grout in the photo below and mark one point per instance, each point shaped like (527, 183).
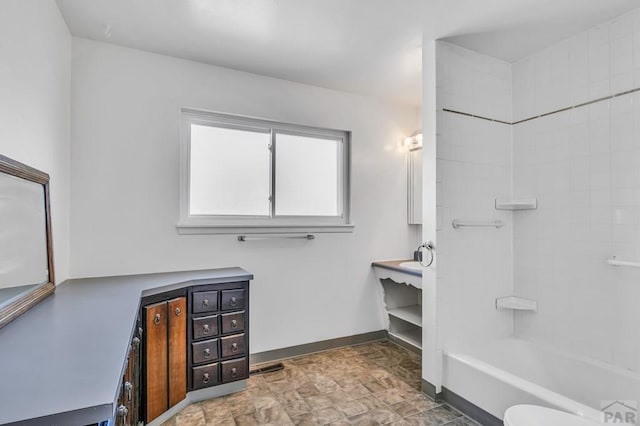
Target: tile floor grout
(370, 384)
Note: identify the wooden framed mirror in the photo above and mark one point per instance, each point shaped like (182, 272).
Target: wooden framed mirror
(26, 248)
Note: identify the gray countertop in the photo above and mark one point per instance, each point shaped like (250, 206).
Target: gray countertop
(65, 357)
(394, 265)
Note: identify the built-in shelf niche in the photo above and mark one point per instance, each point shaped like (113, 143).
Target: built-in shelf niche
(404, 310)
(411, 314)
(405, 332)
(516, 303)
(516, 203)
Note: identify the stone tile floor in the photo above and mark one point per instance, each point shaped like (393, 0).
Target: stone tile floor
(370, 384)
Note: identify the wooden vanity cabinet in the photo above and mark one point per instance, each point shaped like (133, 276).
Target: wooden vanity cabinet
(218, 333)
(194, 338)
(177, 350)
(165, 355)
(128, 408)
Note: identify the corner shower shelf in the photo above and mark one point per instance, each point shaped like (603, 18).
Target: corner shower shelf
(411, 314)
(516, 303)
(516, 203)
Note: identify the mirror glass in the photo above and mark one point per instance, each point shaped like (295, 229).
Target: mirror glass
(23, 237)
(26, 253)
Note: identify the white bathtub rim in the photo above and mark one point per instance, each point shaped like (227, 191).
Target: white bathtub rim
(555, 350)
(552, 398)
(582, 358)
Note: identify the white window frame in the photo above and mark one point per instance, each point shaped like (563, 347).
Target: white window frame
(229, 224)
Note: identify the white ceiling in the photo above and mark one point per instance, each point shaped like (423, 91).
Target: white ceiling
(371, 47)
(513, 29)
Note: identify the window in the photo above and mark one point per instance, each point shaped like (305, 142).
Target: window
(243, 174)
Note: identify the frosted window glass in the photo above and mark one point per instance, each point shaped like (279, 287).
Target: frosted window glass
(307, 176)
(230, 172)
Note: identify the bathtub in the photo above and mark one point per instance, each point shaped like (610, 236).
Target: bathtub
(514, 371)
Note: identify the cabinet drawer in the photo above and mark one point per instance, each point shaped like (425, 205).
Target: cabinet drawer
(233, 322)
(205, 327)
(234, 370)
(204, 376)
(205, 301)
(206, 351)
(232, 299)
(232, 345)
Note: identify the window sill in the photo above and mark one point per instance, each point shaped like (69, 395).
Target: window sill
(196, 229)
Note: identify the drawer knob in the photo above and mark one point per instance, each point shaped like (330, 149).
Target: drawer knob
(128, 387)
(207, 352)
(205, 329)
(156, 319)
(205, 378)
(233, 301)
(234, 372)
(178, 312)
(122, 412)
(205, 303)
(234, 347)
(234, 323)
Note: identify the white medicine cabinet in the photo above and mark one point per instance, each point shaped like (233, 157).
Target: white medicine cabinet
(414, 187)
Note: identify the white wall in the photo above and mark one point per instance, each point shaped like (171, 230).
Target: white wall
(35, 73)
(125, 174)
(584, 167)
(431, 344)
(473, 167)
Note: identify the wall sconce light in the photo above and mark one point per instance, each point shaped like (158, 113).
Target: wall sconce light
(413, 142)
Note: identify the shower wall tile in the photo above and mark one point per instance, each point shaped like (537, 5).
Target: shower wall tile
(593, 64)
(473, 83)
(474, 167)
(583, 165)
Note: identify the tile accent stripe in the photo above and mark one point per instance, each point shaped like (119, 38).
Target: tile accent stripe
(606, 98)
(476, 116)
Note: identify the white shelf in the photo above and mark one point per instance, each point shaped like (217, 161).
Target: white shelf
(516, 203)
(411, 314)
(516, 303)
(412, 337)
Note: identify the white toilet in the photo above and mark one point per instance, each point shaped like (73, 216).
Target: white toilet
(533, 415)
